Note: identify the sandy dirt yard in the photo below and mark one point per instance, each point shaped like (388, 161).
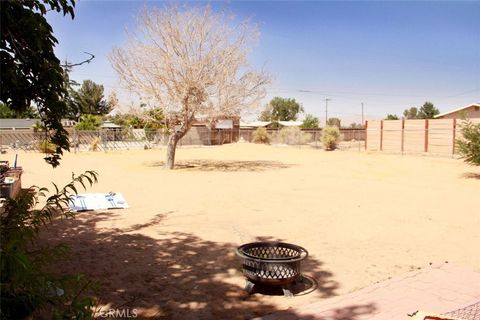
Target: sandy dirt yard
(363, 218)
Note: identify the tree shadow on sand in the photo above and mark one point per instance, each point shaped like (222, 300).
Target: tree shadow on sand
(471, 175)
(180, 276)
(225, 166)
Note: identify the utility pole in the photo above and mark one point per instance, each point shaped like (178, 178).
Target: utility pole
(326, 111)
(362, 116)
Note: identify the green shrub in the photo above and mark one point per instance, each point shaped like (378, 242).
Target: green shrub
(330, 137)
(261, 136)
(27, 288)
(46, 146)
(469, 145)
(38, 126)
(95, 144)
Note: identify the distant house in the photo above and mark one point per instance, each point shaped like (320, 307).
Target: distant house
(27, 124)
(269, 124)
(255, 124)
(17, 124)
(110, 125)
(471, 111)
(67, 123)
(222, 130)
(290, 123)
(111, 131)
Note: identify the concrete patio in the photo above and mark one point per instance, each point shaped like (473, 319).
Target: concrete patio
(436, 289)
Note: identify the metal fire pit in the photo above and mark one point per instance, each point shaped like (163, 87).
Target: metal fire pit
(271, 263)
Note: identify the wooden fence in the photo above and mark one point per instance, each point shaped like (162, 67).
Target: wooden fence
(434, 136)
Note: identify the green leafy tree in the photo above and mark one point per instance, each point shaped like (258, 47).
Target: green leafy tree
(392, 117)
(153, 118)
(30, 113)
(89, 122)
(310, 122)
(411, 113)
(148, 119)
(128, 120)
(7, 113)
(427, 111)
(89, 99)
(281, 109)
(266, 115)
(333, 122)
(469, 145)
(31, 73)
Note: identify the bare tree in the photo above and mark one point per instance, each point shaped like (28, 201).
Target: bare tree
(112, 101)
(192, 63)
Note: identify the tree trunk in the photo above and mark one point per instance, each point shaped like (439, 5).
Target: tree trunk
(171, 148)
(173, 139)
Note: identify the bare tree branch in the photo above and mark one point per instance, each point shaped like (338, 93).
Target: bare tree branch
(69, 65)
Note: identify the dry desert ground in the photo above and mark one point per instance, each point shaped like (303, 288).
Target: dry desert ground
(363, 217)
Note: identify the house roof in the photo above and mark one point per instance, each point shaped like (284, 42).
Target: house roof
(17, 123)
(290, 123)
(114, 112)
(110, 125)
(458, 109)
(28, 123)
(255, 124)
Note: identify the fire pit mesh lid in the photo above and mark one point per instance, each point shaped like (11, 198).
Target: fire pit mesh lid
(272, 251)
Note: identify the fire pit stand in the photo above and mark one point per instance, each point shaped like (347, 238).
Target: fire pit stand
(271, 263)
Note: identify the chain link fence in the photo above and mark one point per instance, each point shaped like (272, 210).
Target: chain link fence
(349, 138)
(115, 139)
(124, 139)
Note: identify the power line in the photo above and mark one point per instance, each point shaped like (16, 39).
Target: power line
(347, 93)
(321, 92)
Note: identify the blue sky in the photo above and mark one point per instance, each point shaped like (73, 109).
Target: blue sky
(388, 55)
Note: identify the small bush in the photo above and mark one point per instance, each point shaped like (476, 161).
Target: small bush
(95, 144)
(38, 126)
(291, 136)
(46, 146)
(261, 136)
(27, 287)
(469, 145)
(330, 137)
